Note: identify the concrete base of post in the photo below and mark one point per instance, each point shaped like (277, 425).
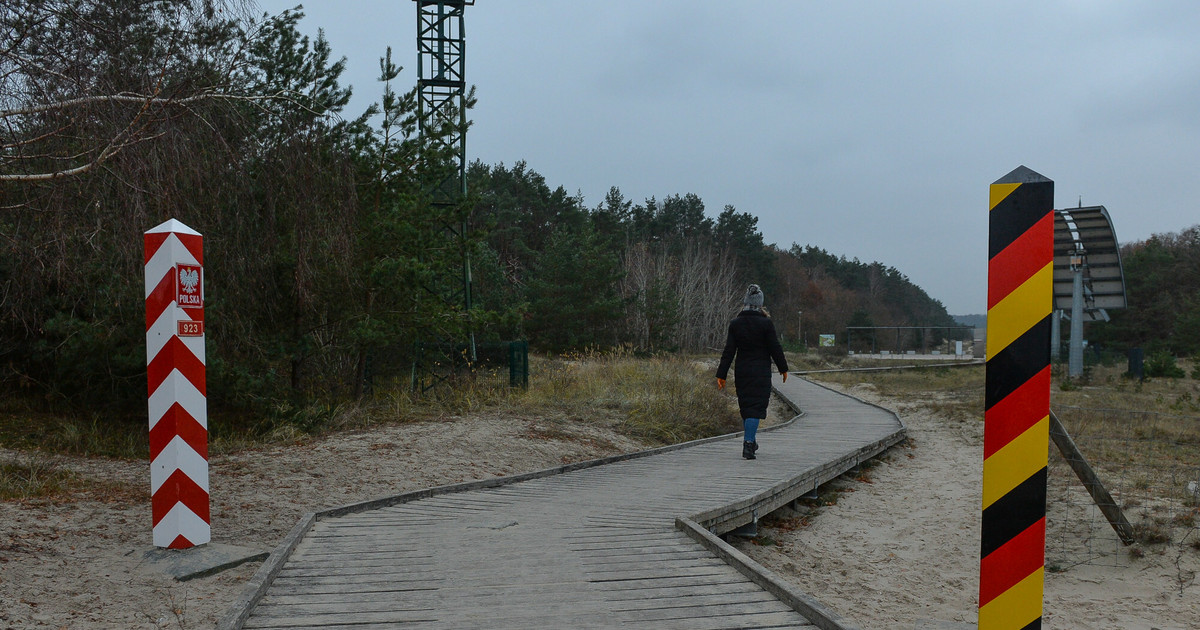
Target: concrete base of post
(201, 560)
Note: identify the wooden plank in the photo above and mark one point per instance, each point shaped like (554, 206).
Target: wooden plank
(660, 572)
(724, 588)
(652, 585)
(702, 610)
(799, 601)
(489, 595)
(268, 618)
(693, 600)
(789, 619)
(580, 546)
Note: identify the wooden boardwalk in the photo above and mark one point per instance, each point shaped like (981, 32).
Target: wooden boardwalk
(624, 543)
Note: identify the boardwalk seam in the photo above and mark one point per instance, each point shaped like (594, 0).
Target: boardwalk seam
(726, 518)
(257, 587)
(495, 482)
(796, 599)
(718, 520)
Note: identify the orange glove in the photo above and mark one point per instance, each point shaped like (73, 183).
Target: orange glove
(785, 377)
(720, 383)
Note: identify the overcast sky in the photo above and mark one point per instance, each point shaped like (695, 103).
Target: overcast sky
(869, 129)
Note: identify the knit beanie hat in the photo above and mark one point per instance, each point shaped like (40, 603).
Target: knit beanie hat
(754, 296)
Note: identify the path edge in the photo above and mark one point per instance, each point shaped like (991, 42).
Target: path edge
(240, 609)
(726, 518)
(768, 580)
(804, 604)
(746, 510)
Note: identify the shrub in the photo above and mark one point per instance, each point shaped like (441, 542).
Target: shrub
(1162, 364)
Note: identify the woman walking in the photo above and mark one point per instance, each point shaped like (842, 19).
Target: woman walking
(753, 341)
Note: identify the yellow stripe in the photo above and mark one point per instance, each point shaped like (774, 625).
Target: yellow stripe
(1019, 460)
(998, 192)
(1027, 305)
(1015, 608)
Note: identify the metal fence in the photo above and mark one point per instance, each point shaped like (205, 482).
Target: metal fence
(908, 339)
(1150, 464)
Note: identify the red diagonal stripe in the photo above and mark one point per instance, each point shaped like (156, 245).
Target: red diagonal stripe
(194, 244)
(152, 243)
(180, 542)
(179, 488)
(196, 314)
(160, 298)
(1019, 261)
(177, 421)
(1016, 412)
(1012, 562)
(175, 355)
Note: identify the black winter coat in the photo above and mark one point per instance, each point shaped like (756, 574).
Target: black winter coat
(753, 340)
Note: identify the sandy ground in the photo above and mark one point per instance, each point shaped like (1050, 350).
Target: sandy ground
(900, 550)
(79, 563)
(893, 551)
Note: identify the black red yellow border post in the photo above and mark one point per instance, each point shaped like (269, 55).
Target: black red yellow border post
(1017, 401)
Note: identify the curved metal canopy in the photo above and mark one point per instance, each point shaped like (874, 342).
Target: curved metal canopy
(1085, 237)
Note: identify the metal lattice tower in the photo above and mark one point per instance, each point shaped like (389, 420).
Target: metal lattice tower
(441, 87)
(441, 83)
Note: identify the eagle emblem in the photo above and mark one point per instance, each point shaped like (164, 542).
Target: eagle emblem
(189, 279)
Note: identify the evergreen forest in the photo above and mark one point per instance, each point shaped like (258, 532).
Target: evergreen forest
(1162, 288)
(328, 268)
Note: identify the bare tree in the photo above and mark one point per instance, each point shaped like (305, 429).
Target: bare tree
(644, 288)
(681, 300)
(707, 295)
(83, 80)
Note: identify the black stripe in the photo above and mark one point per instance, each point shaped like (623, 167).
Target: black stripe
(1014, 512)
(1024, 175)
(1036, 624)
(1020, 361)
(1018, 212)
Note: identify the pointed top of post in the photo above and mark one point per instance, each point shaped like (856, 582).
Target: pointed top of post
(1022, 175)
(172, 225)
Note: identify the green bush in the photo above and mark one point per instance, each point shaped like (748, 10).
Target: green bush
(1162, 364)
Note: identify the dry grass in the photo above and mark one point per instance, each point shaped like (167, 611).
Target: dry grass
(32, 478)
(24, 429)
(663, 399)
(1141, 438)
(1144, 436)
(1105, 387)
(951, 392)
(1165, 412)
(659, 399)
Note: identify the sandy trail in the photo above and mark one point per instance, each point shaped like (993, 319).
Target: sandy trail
(78, 562)
(903, 547)
(894, 551)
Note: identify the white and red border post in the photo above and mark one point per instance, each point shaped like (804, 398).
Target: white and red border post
(176, 385)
